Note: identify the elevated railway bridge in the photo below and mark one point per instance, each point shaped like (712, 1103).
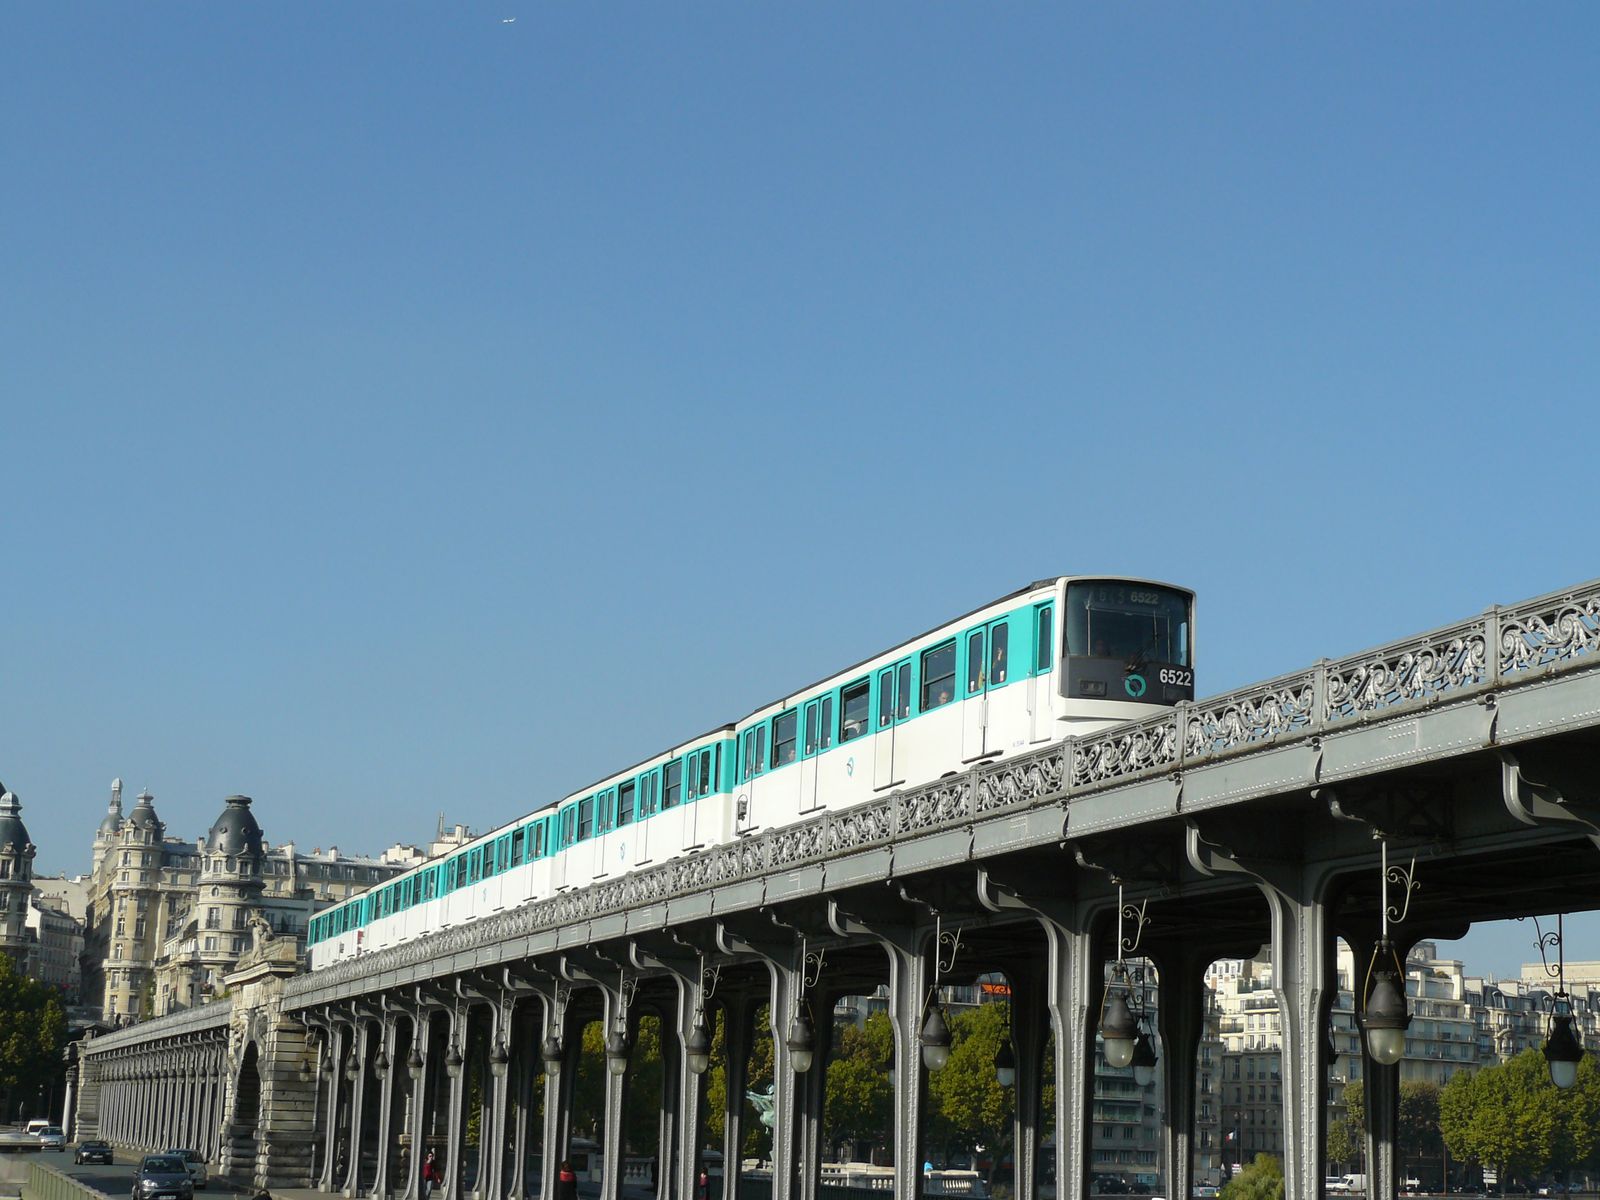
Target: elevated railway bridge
(1257, 817)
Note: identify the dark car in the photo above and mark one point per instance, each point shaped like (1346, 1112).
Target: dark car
(163, 1177)
(93, 1152)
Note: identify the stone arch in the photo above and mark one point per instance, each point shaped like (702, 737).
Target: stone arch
(239, 1157)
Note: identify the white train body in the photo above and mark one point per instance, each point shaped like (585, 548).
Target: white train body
(1061, 658)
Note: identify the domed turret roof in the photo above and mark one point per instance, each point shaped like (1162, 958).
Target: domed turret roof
(235, 831)
(143, 815)
(112, 821)
(13, 833)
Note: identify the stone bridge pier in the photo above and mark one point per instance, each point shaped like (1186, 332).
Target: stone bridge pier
(229, 1079)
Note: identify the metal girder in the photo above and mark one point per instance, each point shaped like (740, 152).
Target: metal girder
(1534, 803)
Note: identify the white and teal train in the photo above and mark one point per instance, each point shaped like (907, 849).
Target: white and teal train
(1059, 658)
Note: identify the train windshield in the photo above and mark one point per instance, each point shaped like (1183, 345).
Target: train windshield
(1133, 622)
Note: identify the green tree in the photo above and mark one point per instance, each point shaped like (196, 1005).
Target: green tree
(33, 1030)
(860, 1102)
(1512, 1119)
(1261, 1180)
(1347, 1137)
(1417, 1124)
(967, 1106)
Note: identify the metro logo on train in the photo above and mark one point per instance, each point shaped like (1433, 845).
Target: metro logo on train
(1060, 658)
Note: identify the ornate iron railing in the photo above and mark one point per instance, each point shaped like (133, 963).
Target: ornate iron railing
(1552, 633)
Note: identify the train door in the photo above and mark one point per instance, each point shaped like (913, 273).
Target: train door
(816, 736)
(1041, 687)
(988, 664)
(894, 707)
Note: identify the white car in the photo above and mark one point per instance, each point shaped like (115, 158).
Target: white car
(195, 1165)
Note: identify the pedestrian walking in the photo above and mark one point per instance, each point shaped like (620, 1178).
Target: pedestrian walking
(566, 1182)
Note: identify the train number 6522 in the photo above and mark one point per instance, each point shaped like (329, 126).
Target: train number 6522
(1178, 676)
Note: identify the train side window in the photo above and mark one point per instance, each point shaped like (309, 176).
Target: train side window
(568, 824)
(885, 698)
(649, 794)
(672, 784)
(855, 704)
(1044, 642)
(703, 787)
(516, 847)
(825, 733)
(902, 708)
(585, 818)
(974, 661)
(784, 728)
(451, 872)
(998, 644)
(810, 747)
(938, 675)
(603, 813)
(625, 795)
(538, 840)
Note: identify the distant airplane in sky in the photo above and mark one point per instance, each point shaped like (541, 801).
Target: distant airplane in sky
(508, 20)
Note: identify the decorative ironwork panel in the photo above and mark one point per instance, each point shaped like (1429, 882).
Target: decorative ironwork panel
(854, 828)
(1023, 780)
(797, 844)
(1551, 630)
(1250, 716)
(929, 807)
(1126, 750)
(1405, 672)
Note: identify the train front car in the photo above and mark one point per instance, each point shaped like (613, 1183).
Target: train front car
(1127, 650)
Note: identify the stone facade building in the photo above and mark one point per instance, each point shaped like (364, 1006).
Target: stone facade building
(168, 919)
(16, 880)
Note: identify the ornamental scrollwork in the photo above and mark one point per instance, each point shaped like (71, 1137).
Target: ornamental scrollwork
(1406, 673)
(1247, 718)
(1548, 632)
(1125, 750)
(1021, 781)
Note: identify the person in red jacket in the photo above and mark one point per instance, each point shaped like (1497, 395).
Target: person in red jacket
(432, 1174)
(566, 1182)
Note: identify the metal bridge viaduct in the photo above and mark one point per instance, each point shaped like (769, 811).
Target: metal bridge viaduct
(1249, 818)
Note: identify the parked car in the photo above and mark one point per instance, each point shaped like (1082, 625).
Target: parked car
(162, 1177)
(93, 1152)
(51, 1138)
(196, 1164)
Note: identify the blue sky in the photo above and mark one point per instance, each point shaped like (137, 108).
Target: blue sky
(407, 411)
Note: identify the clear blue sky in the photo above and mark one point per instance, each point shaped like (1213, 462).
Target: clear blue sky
(408, 411)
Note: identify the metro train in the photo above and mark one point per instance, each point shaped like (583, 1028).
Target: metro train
(1060, 658)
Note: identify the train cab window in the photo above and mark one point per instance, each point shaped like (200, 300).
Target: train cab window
(938, 675)
(784, 729)
(672, 784)
(1044, 643)
(855, 704)
(1128, 621)
(585, 818)
(999, 641)
(625, 798)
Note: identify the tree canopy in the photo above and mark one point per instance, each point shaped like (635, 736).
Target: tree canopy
(33, 1031)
